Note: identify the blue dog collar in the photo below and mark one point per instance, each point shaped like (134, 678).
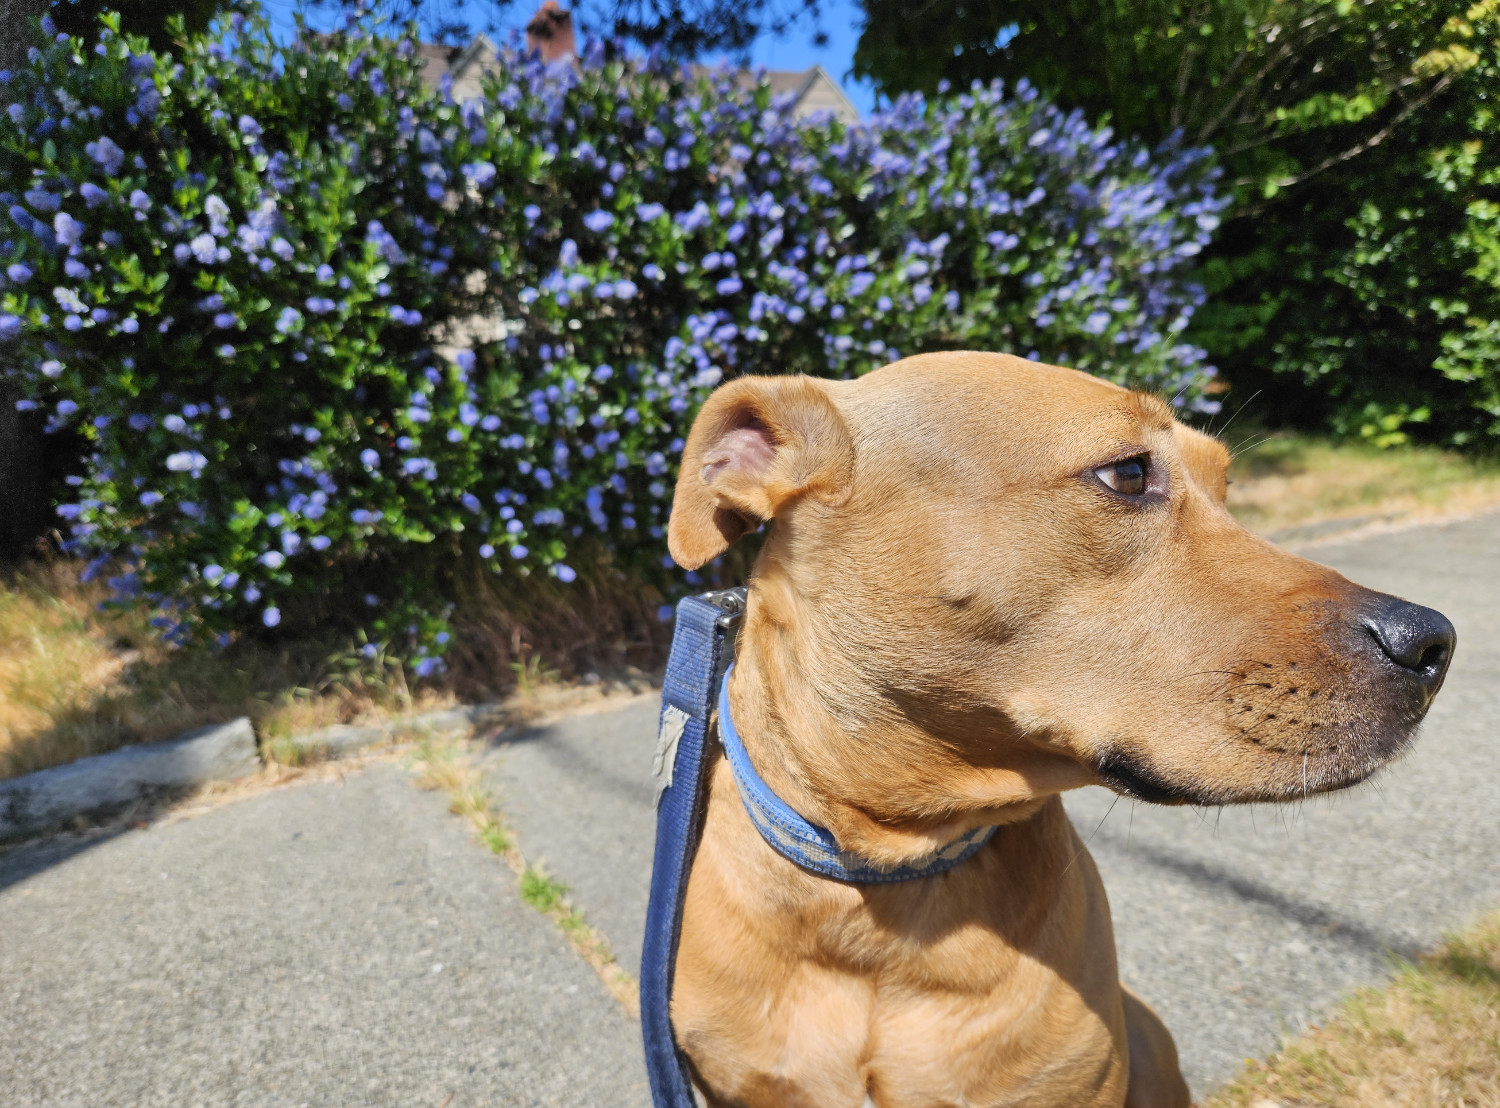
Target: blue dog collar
(814, 848)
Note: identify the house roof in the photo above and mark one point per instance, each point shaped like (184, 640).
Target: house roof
(477, 53)
(813, 90)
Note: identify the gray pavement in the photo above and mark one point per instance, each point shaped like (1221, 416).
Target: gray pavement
(579, 797)
(333, 944)
(280, 951)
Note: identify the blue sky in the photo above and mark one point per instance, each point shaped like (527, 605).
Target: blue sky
(840, 20)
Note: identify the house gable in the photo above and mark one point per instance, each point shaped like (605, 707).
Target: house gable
(813, 91)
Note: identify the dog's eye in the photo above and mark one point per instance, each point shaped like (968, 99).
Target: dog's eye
(1126, 477)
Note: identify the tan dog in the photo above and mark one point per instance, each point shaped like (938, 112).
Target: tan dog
(989, 581)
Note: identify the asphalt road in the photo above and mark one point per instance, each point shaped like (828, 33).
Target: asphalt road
(284, 950)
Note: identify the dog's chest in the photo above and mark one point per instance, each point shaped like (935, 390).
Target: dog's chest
(792, 990)
(792, 994)
(826, 1044)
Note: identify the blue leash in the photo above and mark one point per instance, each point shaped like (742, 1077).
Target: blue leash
(702, 648)
(702, 655)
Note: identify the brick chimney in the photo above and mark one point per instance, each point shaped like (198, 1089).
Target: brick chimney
(550, 33)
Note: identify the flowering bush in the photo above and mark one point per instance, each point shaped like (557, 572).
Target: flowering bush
(336, 339)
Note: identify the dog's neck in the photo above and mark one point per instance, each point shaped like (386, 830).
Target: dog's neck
(835, 748)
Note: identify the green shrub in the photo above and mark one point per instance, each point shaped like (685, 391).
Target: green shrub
(1355, 283)
(1366, 296)
(1376, 288)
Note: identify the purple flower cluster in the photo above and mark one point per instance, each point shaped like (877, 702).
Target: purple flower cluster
(433, 347)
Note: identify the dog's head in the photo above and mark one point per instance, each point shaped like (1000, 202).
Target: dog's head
(988, 580)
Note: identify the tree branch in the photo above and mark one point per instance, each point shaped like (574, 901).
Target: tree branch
(1438, 87)
(1299, 41)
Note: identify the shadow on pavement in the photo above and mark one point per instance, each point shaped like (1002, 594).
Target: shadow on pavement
(1348, 931)
(25, 860)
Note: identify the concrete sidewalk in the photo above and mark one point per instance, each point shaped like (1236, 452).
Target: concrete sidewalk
(333, 944)
(349, 944)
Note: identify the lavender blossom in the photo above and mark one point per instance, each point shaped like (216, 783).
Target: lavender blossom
(106, 154)
(67, 229)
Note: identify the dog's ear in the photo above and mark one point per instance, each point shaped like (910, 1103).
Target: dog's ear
(758, 444)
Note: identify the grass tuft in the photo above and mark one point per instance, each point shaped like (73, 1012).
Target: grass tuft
(532, 675)
(495, 838)
(1429, 1039)
(444, 763)
(546, 894)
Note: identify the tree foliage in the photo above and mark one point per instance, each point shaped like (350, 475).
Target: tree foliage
(147, 18)
(1359, 136)
(1372, 282)
(1291, 82)
(450, 22)
(688, 28)
(678, 28)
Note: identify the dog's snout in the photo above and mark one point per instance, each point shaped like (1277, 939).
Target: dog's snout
(1417, 639)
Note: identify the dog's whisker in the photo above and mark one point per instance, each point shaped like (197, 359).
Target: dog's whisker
(1247, 685)
(1083, 847)
(1082, 850)
(1228, 422)
(1264, 719)
(1210, 672)
(1244, 448)
(1100, 824)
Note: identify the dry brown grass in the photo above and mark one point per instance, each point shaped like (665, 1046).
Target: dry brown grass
(521, 631)
(1429, 1039)
(1288, 480)
(75, 681)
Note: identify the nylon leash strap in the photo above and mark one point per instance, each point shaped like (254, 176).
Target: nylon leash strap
(702, 648)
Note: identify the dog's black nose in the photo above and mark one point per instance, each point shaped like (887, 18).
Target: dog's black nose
(1417, 639)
